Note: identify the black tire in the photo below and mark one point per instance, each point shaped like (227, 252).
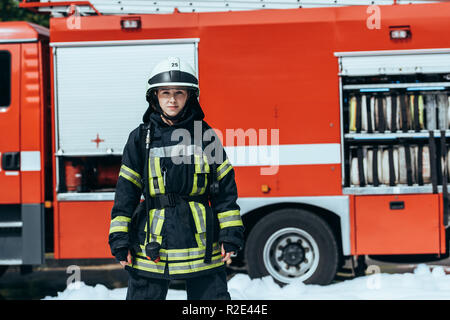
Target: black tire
(264, 248)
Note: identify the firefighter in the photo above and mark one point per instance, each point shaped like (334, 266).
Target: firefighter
(189, 222)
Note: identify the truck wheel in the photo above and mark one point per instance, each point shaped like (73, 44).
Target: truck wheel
(292, 244)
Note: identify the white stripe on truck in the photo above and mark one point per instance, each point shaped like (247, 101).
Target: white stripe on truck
(287, 154)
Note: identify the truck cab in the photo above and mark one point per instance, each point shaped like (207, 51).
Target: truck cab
(24, 142)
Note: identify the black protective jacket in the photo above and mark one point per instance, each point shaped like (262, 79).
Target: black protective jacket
(193, 225)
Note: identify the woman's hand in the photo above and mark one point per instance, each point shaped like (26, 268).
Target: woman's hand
(226, 256)
(128, 262)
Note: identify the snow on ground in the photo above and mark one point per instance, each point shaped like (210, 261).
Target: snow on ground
(423, 283)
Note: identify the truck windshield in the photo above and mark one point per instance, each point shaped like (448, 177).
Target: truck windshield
(5, 79)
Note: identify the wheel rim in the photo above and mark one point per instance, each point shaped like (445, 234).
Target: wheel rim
(291, 254)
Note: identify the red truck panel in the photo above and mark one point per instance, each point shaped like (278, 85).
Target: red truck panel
(82, 229)
(305, 180)
(412, 230)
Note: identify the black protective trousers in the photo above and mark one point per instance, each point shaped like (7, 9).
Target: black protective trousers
(207, 287)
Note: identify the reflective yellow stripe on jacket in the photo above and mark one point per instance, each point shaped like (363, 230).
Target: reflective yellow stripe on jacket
(119, 224)
(147, 265)
(223, 169)
(201, 167)
(156, 182)
(199, 214)
(195, 266)
(130, 175)
(187, 267)
(156, 223)
(182, 254)
(231, 218)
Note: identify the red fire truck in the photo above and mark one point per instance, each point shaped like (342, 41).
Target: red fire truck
(335, 117)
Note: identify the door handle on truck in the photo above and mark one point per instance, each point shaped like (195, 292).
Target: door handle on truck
(397, 205)
(11, 161)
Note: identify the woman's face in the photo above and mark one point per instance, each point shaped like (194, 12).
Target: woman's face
(172, 99)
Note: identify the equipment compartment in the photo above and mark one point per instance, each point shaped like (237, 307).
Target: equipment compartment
(395, 133)
(397, 224)
(88, 174)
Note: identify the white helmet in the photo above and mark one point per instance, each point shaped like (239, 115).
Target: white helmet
(173, 71)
